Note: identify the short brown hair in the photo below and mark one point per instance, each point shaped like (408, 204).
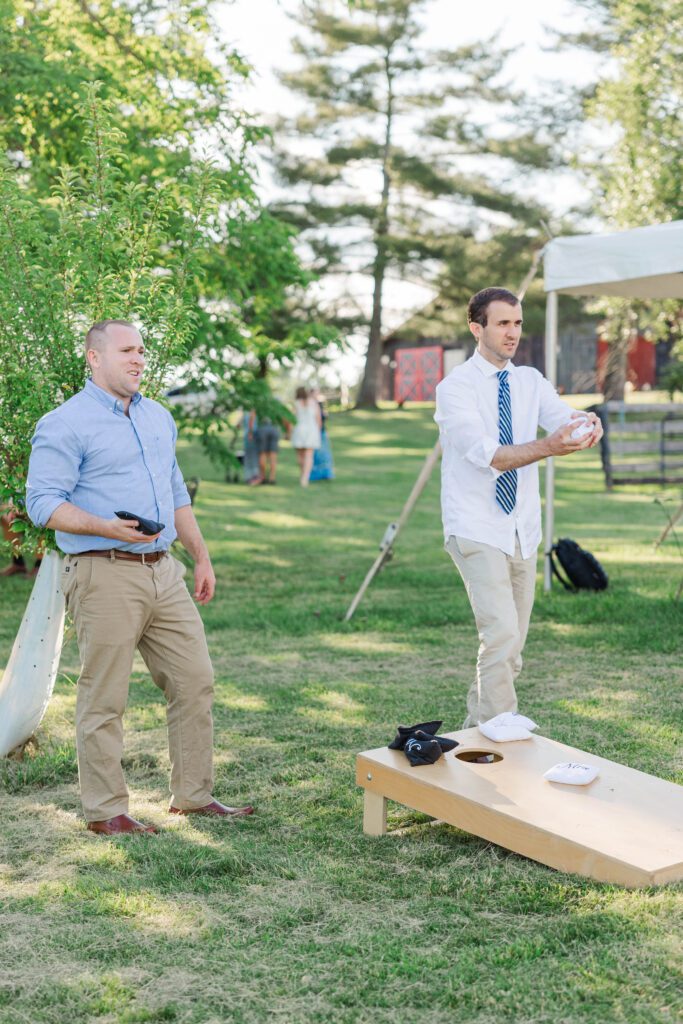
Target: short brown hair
(94, 337)
(477, 307)
(301, 394)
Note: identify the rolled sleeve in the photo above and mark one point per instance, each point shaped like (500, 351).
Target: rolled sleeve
(181, 495)
(481, 453)
(553, 412)
(461, 425)
(53, 470)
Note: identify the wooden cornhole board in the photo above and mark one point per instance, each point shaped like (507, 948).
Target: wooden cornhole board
(625, 827)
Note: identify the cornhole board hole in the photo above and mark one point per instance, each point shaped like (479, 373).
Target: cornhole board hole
(625, 827)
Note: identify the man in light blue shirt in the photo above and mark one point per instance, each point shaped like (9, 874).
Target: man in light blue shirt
(108, 449)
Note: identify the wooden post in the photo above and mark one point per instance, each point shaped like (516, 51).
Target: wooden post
(374, 814)
(394, 529)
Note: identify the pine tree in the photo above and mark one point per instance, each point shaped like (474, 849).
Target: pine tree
(377, 162)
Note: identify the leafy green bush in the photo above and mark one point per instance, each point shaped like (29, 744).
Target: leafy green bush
(100, 247)
(672, 378)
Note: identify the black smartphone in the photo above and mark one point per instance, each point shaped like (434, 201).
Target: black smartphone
(147, 526)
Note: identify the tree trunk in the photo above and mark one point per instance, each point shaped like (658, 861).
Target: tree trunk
(615, 370)
(370, 385)
(616, 365)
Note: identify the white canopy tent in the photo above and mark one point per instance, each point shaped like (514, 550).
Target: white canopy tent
(644, 263)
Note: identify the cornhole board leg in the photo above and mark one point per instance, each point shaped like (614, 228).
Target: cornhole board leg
(625, 827)
(374, 814)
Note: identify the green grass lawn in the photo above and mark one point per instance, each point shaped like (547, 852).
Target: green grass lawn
(294, 915)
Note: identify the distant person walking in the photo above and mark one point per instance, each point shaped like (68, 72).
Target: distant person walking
(250, 443)
(323, 465)
(306, 434)
(269, 444)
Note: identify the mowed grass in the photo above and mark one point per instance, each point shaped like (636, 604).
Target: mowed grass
(294, 915)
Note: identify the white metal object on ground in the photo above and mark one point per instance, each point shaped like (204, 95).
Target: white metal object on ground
(29, 677)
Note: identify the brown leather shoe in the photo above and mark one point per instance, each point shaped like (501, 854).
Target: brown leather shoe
(220, 810)
(116, 826)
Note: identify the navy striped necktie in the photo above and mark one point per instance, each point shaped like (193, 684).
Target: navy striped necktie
(506, 483)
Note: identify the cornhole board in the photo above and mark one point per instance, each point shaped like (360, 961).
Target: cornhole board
(625, 827)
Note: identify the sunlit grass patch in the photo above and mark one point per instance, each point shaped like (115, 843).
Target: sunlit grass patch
(294, 914)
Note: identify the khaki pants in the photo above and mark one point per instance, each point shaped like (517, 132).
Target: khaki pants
(501, 593)
(118, 606)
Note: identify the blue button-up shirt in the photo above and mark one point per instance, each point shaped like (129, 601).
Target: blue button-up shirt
(88, 452)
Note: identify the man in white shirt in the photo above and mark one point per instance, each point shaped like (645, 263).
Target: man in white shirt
(488, 411)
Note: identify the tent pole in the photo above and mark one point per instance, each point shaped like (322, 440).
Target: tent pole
(551, 374)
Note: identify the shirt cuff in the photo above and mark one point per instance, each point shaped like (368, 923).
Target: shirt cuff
(181, 499)
(481, 453)
(40, 510)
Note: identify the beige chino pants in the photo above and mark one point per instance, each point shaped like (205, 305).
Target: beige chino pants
(501, 592)
(118, 606)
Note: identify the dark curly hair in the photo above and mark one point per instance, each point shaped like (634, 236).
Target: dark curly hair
(478, 305)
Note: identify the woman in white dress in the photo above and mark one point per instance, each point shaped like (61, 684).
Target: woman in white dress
(306, 434)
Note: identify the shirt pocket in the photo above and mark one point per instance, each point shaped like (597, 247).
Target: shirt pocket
(163, 453)
(76, 578)
(67, 580)
(466, 547)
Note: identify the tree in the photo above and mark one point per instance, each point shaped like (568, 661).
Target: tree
(265, 321)
(376, 158)
(158, 62)
(93, 253)
(170, 87)
(638, 180)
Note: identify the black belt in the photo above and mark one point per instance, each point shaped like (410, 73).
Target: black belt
(127, 556)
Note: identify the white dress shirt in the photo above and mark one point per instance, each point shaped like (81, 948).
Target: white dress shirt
(467, 416)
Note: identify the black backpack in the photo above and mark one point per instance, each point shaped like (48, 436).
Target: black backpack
(583, 570)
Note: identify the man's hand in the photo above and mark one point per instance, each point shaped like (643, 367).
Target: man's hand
(597, 428)
(562, 442)
(191, 538)
(126, 530)
(204, 581)
(71, 519)
(514, 456)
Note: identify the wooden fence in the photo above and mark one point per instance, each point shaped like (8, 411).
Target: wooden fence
(642, 444)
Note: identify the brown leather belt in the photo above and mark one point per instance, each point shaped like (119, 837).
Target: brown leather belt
(127, 556)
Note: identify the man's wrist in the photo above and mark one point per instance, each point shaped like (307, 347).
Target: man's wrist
(545, 447)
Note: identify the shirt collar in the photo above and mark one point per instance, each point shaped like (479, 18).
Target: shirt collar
(487, 368)
(105, 399)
